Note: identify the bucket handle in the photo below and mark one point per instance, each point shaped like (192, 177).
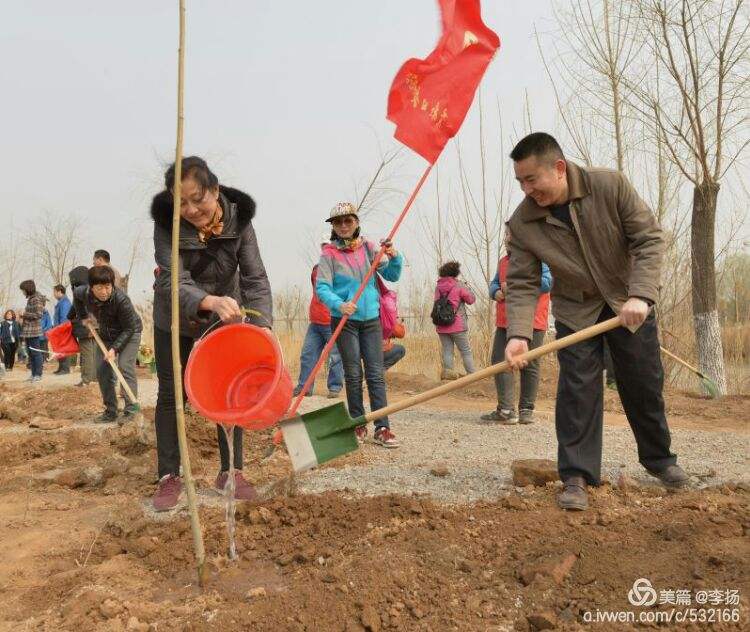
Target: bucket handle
(247, 312)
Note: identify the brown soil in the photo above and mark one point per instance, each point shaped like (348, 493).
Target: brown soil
(81, 553)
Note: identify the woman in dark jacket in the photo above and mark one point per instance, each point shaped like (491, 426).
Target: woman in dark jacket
(221, 271)
(79, 277)
(10, 338)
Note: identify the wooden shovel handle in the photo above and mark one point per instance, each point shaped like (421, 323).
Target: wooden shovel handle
(120, 378)
(681, 361)
(555, 345)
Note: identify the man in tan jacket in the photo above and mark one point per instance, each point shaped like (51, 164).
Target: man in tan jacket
(604, 248)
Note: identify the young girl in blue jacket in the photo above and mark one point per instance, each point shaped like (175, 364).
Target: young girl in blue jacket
(343, 265)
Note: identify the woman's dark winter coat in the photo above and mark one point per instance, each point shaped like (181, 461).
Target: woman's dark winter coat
(226, 265)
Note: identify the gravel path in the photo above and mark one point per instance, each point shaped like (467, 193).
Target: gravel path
(478, 457)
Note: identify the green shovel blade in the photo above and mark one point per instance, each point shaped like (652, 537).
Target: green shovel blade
(709, 386)
(319, 436)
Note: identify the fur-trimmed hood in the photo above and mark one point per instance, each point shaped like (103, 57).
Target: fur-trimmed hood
(241, 204)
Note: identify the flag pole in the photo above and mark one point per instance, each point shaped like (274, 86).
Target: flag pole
(195, 525)
(329, 345)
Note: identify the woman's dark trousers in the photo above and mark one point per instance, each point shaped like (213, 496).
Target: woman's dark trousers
(167, 446)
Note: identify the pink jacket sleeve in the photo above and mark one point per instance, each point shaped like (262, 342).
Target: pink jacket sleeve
(467, 296)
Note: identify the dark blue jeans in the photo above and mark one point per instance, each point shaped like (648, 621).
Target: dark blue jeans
(36, 357)
(396, 354)
(361, 341)
(316, 338)
(165, 417)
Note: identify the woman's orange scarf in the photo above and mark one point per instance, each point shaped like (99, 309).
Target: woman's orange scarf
(214, 227)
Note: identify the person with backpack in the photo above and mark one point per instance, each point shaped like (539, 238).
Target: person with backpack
(450, 320)
(505, 413)
(343, 265)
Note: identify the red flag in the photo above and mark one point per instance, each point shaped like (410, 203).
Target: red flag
(61, 340)
(430, 97)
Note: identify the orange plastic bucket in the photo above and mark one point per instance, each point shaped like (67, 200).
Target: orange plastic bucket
(236, 376)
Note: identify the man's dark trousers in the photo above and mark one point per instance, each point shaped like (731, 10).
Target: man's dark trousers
(579, 407)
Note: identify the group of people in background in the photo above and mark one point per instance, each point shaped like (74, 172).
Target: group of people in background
(345, 266)
(450, 318)
(99, 304)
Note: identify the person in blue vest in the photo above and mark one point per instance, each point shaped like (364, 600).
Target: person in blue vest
(47, 324)
(62, 308)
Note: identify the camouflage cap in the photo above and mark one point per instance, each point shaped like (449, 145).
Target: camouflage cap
(342, 209)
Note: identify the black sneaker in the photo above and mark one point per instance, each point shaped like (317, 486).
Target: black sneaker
(504, 416)
(108, 416)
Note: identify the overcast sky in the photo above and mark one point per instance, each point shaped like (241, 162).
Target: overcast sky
(285, 99)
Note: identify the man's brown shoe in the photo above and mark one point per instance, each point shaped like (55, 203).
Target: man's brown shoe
(671, 476)
(573, 496)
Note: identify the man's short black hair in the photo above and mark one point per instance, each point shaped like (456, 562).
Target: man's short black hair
(101, 275)
(101, 254)
(59, 288)
(539, 144)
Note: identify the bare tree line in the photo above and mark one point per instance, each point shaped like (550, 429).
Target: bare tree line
(54, 244)
(659, 89)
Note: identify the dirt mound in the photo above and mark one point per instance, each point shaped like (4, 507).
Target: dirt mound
(68, 403)
(328, 563)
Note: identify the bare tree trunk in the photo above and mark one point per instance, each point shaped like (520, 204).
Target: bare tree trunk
(614, 77)
(705, 314)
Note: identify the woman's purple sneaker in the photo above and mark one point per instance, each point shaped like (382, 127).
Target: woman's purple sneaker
(242, 489)
(167, 495)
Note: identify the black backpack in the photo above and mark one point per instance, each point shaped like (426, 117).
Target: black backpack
(443, 313)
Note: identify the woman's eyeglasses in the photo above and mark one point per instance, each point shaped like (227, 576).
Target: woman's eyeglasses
(342, 220)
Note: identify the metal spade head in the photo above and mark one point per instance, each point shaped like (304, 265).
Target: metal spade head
(319, 436)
